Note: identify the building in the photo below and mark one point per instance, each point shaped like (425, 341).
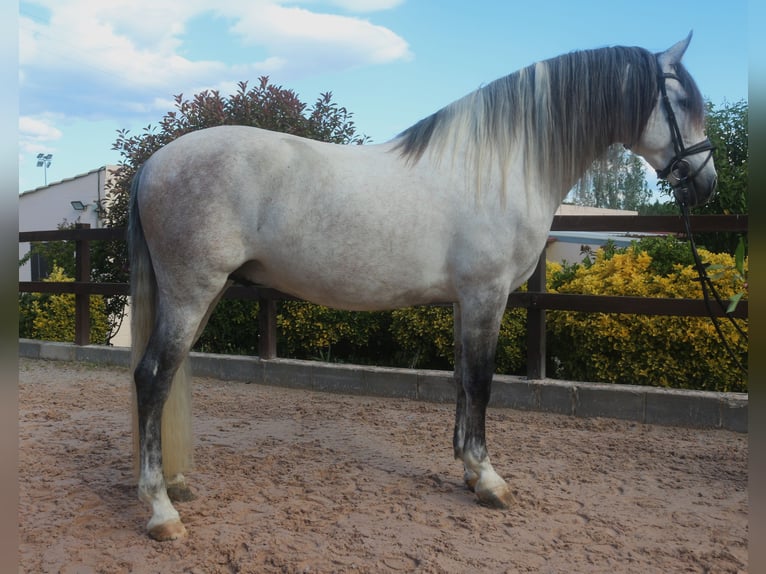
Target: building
(570, 246)
(78, 199)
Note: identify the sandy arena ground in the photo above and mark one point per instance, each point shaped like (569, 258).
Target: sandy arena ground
(294, 481)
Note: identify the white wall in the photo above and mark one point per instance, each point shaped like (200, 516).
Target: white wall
(48, 207)
(567, 245)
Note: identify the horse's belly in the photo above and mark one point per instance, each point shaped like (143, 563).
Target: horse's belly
(352, 283)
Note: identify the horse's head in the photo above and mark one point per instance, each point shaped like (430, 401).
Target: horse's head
(674, 141)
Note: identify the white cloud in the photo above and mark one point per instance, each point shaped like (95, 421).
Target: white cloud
(303, 37)
(37, 131)
(89, 57)
(358, 6)
(36, 135)
(108, 45)
(367, 5)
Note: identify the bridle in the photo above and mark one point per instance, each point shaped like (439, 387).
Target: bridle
(681, 178)
(678, 172)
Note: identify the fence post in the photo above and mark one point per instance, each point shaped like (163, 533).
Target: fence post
(82, 300)
(536, 325)
(267, 328)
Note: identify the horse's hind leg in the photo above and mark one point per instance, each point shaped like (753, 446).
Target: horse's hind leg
(477, 324)
(176, 424)
(173, 335)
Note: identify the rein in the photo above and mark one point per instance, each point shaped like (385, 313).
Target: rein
(707, 289)
(680, 170)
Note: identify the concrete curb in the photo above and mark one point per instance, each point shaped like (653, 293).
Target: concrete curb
(649, 405)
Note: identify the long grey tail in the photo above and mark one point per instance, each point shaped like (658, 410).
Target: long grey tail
(143, 284)
(177, 448)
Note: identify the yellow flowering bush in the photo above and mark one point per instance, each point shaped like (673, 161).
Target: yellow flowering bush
(316, 332)
(680, 352)
(51, 317)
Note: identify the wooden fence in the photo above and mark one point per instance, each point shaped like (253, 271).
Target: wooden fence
(535, 299)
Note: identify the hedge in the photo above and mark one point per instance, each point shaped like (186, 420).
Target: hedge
(679, 352)
(415, 337)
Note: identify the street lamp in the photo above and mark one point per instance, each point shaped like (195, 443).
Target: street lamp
(44, 161)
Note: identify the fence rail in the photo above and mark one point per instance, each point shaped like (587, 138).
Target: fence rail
(535, 299)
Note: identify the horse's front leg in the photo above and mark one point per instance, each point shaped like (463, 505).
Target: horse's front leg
(153, 380)
(476, 332)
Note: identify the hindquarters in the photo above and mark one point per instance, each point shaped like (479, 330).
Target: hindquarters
(170, 301)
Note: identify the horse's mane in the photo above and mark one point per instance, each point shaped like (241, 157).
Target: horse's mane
(564, 111)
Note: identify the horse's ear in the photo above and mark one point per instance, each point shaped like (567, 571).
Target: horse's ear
(674, 54)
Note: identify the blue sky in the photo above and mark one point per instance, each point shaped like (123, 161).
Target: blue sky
(88, 68)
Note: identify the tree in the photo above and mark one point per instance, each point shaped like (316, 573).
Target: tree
(614, 181)
(727, 128)
(658, 208)
(265, 106)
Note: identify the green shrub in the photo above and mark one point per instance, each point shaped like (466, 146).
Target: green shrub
(511, 356)
(666, 253)
(51, 317)
(680, 352)
(415, 337)
(425, 335)
(26, 318)
(232, 329)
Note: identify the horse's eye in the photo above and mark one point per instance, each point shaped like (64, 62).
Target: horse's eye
(684, 103)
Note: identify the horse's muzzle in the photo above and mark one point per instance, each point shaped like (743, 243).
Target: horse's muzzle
(692, 189)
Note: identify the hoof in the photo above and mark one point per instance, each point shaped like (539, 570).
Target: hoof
(172, 530)
(180, 493)
(499, 497)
